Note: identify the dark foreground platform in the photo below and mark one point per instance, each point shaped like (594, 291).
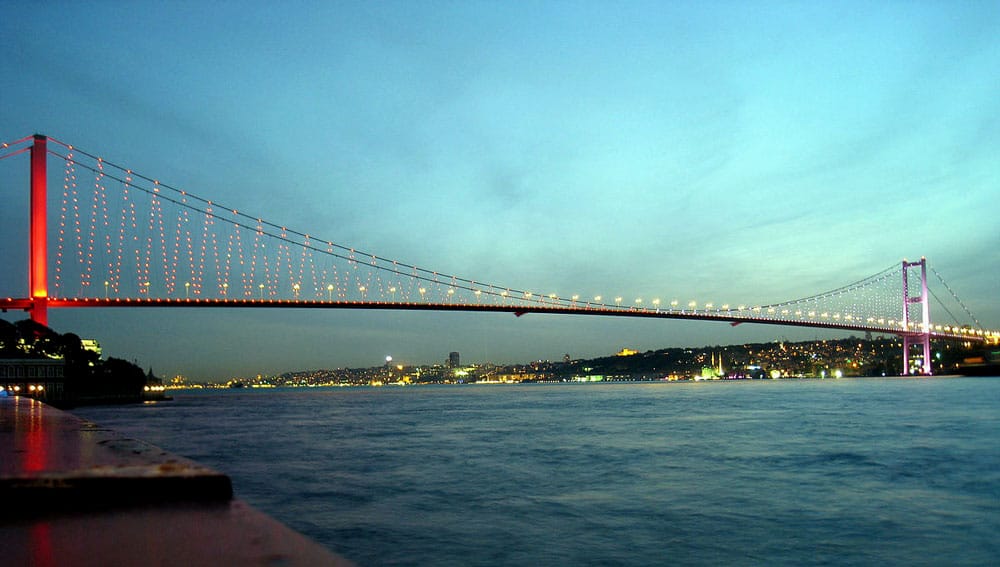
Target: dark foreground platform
(73, 493)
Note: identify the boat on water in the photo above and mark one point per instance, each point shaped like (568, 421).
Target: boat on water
(985, 369)
(988, 364)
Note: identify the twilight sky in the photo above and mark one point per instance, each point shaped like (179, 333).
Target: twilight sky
(723, 151)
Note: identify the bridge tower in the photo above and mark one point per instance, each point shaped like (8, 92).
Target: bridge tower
(38, 282)
(922, 337)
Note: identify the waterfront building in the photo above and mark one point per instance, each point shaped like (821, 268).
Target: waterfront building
(42, 378)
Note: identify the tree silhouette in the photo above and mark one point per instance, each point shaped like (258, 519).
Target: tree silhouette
(8, 338)
(38, 339)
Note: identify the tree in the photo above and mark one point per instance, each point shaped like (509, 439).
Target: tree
(120, 377)
(38, 339)
(8, 338)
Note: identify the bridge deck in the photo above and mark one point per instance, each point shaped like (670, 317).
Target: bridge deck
(733, 317)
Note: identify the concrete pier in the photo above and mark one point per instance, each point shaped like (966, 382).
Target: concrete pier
(74, 493)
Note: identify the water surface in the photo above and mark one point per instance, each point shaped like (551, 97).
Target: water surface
(819, 472)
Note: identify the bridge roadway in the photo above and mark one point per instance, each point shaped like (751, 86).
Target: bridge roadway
(733, 317)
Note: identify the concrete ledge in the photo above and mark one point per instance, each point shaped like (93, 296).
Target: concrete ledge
(53, 460)
(73, 493)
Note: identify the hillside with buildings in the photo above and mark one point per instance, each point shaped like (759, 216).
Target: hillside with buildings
(775, 360)
(65, 370)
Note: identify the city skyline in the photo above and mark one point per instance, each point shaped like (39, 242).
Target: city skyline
(833, 358)
(735, 154)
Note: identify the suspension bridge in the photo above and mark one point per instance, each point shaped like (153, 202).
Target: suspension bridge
(114, 237)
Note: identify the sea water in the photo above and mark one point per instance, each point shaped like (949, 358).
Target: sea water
(793, 472)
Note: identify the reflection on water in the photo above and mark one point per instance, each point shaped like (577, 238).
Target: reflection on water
(859, 471)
